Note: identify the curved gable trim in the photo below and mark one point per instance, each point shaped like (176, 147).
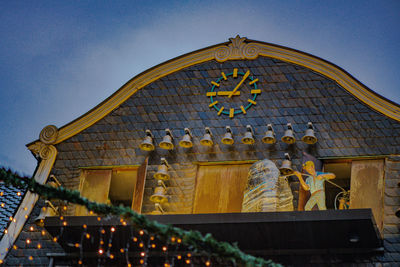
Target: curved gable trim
(237, 48)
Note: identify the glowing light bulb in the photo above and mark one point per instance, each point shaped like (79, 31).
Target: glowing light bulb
(111, 256)
(187, 261)
(141, 232)
(101, 251)
(28, 241)
(112, 229)
(141, 244)
(122, 250)
(153, 245)
(87, 235)
(18, 193)
(208, 263)
(189, 255)
(84, 226)
(77, 245)
(134, 239)
(39, 246)
(179, 257)
(30, 258)
(142, 254)
(164, 248)
(65, 223)
(141, 261)
(173, 239)
(80, 262)
(43, 232)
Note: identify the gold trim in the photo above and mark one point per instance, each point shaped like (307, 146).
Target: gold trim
(110, 167)
(28, 202)
(237, 48)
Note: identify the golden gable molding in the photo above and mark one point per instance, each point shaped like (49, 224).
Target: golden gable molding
(25, 208)
(237, 48)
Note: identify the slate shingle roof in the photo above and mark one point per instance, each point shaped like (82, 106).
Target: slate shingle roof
(11, 200)
(345, 127)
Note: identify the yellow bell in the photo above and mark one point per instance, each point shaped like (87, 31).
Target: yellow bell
(147, 143)
(309, 137)
(248, 138)
(167, 142)
(269, 137)
(207, 138)
(286, 167)
(158, 210)
(288, 137)
(186, 141)
(47, 211)
(159, 195)
(162, 173)
(228, 137)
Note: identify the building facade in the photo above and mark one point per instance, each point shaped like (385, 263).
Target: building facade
(239, 83)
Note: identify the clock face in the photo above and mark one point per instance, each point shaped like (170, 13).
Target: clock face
(233, 93)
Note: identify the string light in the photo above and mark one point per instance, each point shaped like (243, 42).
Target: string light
(151, 237)
(103, 231)
(141, 232)
(142, 254)
(122, 250)
(28, 241)
(134, 239)
(110, 245)
(30, 258)
(164, 248)
(64, 207)
(99, 218)
(6, 231)
(77, 245)
(208, 263)
(65, 223)
(18, 193)
(1, 193)
(39, 246)
(189, 255)
(141, 261)
(153, 245)
(43, 232)
(80, 262)
(84, 226)
(91, 212)
(179, 257)
(167, 264)
(187, 261)
(101, 251)
(101, 242)
(111, 256)
(3, 205)
(15, 247)
(179, 240)
(61, 218)
(11, 218)
(87, 235)
(112, 229)
(55, 239)
(141, 244)
(173, 239)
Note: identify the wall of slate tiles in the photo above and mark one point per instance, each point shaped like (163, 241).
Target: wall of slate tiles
(345, 127)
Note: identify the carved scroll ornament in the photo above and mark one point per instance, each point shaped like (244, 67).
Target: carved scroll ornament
(237, 49)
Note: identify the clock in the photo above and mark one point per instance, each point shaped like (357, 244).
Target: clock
(233, 93)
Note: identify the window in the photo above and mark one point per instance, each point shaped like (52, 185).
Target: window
(117, 186)
(364, 179)
(220, 187)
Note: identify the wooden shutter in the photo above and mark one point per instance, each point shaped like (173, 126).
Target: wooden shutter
(139, 188)
(94, 185)
(366, 190)
(220, 188)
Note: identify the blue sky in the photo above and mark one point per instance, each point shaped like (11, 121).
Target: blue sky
(61, 58)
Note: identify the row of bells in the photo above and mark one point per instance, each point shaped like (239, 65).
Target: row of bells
(186, 142)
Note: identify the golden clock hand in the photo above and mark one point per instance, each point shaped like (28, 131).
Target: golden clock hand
(240, 83)
(223, 93)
